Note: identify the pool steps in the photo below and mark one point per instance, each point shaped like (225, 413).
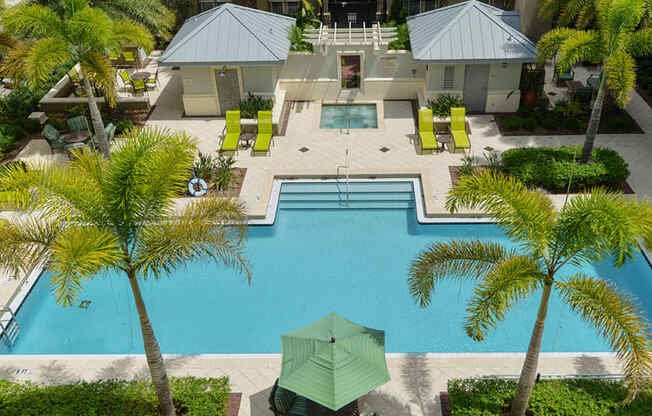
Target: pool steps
(333, 195)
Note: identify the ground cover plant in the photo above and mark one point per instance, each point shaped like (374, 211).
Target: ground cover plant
(566, 397)
(591, 227)
(441, 106)
(192, 396)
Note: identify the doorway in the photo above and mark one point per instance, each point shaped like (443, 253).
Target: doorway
(228, 89)
(476, 85)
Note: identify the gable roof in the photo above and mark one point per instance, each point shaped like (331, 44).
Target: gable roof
(469, 32)
(230, 34)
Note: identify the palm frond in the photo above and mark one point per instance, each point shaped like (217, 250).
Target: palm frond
(77, 254)
(152, 14)
(505, 284)
(639, 43)
(580, 46)
(620, 70)
(100, 71)
(128, 32)
(454, 259)
(31, 21)
(526, 216)
(600, 223)
(582, 11)
(43, 57)
(617, 319)
(548, 9)
(622, 16)
(6, 41)
(549, 44)
(91, 28)
(194, 235)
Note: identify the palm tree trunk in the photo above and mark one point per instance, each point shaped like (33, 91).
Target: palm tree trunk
(594, 121)
(529, 371)
(96, 117)
(152, 351)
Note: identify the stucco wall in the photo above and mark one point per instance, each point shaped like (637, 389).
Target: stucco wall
(435, 80)
(503, 85)
(259, 79)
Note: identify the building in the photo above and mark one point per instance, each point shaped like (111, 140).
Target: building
(469, 49)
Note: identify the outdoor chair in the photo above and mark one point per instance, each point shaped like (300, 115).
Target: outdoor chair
(114, 57)
(460, 140)
(77, 124)
(264, 137)
(232, 136)
(57, 140)
(129, 58)
(138, 86)
(594, 80)
(152, 81)
(427, 136)
(74, 76)
(284, 402)
(566, 76)
(125, 78)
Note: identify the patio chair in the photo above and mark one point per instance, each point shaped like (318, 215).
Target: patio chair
(427, 136)
(139, 86)
(458, 130)
(284, 402)
(74, 76)
(232, 136)
(129, 58)
(152, 81)
(594, 80)
(114, 57)
(57, 140)
(125, 78)
(264, 137)
(566, 76)
(77, 124)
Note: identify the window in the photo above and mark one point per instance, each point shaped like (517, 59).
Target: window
(350, 66)
(449, 78)
(429, 5)
(352, 18)
(413, 7)
(209, 4)
(277, 7)
(293, 8)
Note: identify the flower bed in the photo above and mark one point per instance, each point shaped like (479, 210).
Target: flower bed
(191, 395)
(566, 397)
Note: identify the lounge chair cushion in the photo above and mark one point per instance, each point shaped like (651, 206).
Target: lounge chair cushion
(458, 128)
(461, 139)
(230, 142)
(426, 130)
(262, 142)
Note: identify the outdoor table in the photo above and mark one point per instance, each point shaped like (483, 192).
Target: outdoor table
(246, 140)
(78, 136)
(142, 75)
(444, 139)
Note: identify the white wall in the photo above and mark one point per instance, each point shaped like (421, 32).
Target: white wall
(259, 79)
(435, 81)
(503, 95)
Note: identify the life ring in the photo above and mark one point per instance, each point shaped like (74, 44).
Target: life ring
(197, 187)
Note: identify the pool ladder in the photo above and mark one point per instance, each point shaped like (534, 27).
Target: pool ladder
(345, 166)
(8, 325)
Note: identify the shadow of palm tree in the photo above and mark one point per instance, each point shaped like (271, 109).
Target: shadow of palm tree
(384, 405)
(8, 372)
(56, 373)
(416, 378)
(587, 365)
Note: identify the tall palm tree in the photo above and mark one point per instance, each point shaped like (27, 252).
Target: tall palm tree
(588, 228)
(614, 44)
(578, 13)
(83, 34)
(118, 215)
(6, 41)
(152, 14)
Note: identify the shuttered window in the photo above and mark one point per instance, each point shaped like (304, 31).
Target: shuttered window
(449, 78)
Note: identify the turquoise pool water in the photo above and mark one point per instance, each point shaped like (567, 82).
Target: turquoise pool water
(361, 116)
(317, 258)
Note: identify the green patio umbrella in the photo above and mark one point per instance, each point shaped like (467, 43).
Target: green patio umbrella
(333, 361)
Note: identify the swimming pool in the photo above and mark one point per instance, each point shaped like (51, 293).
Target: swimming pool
(360, 116)
(322, 255)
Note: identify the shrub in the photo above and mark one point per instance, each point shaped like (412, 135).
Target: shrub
(224, 172)
(530, 124)
(402, 41)
(8, 136)
(512, 123)
(205, 167)
(552, 168)
(31, 125)
(468, 166)
(572, 123)
(493, 160)
(572, 397)
(191, 395)
(441, 106)
(550, 121)
(122, 126)
(250, 107)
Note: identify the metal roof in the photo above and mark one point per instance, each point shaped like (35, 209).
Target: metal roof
(469, 32)
(228, 35)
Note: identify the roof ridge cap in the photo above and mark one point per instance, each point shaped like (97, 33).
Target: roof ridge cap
(253, 34)
(217, 12)
(448, 25)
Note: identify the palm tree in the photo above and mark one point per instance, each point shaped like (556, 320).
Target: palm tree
(587, 228)
(152, 14)
(614, 44)
(94, 215)
(84, 34)
(581, 13)
(6, 41)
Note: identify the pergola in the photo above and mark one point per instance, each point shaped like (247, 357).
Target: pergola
(375, 35)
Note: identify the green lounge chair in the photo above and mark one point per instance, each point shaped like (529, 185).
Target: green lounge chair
(74, 76)
(426, 132)
(232, 136)
(283, 402)
(460, 140)
(114, 57)
(77, 124)
(125, 78)
(152, 81)
(129, 58)
(57, 140)
(264, 137)
(139, 86)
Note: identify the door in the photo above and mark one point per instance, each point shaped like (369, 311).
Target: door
(228, 89)
(476, 83)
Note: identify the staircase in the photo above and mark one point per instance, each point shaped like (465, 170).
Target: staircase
(9, 326)
(361, 195)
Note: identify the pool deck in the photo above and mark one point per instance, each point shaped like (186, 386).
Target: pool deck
(416, 379)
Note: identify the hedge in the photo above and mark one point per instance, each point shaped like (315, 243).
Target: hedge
(552, 168)
(569, 397)
(191, 395)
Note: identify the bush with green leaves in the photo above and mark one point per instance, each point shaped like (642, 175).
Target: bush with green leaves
(122, 126)
(512, 123)
(191, 395)
(205, 166)
(441, 106)
(402, 41)
(570, 397)
(250, 106)
(224, 172)
(9, 134)
(553, 168)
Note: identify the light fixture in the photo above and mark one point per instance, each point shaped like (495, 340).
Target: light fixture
(223, 72)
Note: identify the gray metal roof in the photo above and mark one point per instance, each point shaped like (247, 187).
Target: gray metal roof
(228, 35)
(469, 32)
